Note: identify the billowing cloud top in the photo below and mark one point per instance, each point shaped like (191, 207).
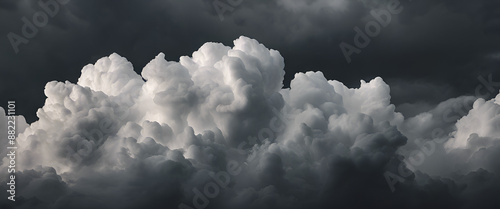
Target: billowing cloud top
(217, 130)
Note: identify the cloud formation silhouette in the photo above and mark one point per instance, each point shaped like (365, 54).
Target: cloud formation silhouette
(218, 130)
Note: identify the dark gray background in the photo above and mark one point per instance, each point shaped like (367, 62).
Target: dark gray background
(431, 51)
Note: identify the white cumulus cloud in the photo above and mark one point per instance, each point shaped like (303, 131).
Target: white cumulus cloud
(221, 117)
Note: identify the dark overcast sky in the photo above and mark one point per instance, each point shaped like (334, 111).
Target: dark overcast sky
(431, 51)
